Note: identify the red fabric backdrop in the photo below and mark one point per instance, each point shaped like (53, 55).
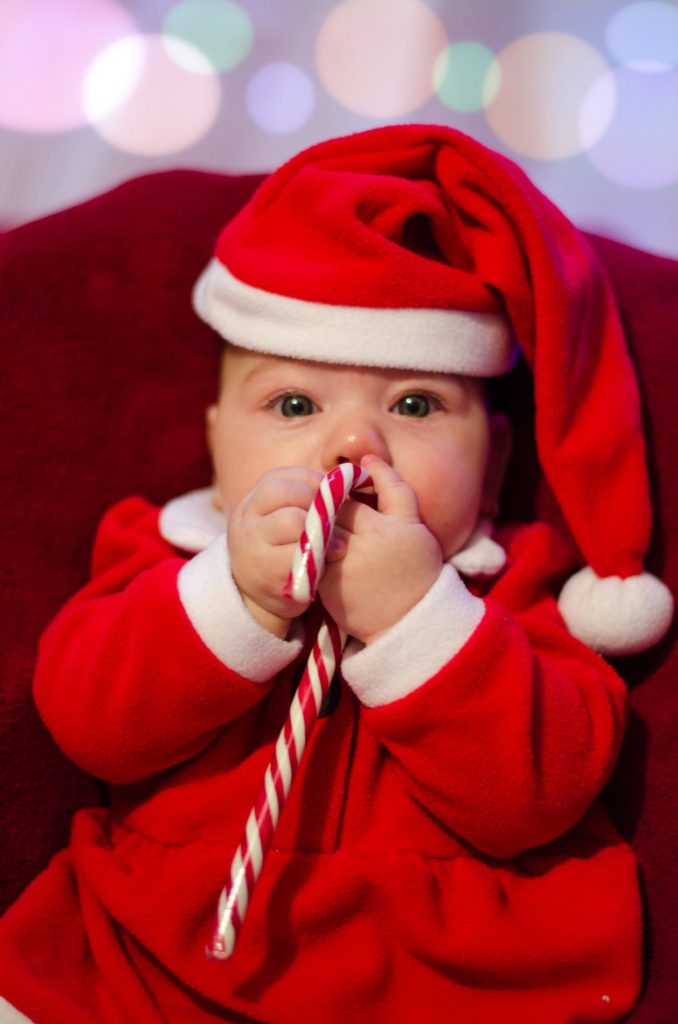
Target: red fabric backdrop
(105, 375)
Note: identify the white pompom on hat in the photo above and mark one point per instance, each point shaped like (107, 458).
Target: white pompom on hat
(416, 247)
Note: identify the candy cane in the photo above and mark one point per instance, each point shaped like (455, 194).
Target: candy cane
(307, 568)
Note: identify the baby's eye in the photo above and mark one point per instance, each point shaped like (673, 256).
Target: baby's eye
(415, 405)
(295, 405)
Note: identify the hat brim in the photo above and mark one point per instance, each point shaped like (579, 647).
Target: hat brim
(434, 340)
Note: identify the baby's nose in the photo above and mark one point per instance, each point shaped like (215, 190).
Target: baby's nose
(350, 438)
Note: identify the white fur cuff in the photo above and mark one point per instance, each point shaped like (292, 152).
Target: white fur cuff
(417, 647)
(214, 605)
(10, 1015)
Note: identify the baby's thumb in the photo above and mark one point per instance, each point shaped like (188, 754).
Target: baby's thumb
(395, 497)
(336, 549)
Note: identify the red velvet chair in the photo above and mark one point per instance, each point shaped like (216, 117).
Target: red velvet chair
(105, 375)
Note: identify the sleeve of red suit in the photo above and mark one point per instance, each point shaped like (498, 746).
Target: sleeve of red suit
(124, 681)
(505, 727)
(513, 737)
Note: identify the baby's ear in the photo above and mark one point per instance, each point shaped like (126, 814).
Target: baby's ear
(501, 443)
(210, 425)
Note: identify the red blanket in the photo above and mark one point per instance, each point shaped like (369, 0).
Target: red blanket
(106, 372)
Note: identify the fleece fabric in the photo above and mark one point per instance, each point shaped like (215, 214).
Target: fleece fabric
(345, 245)
(442, 855)
(106, 374)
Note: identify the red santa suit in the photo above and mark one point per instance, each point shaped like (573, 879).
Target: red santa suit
(441, 857)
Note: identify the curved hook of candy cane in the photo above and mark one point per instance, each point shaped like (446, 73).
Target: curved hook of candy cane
(307, 569)
(308, 561)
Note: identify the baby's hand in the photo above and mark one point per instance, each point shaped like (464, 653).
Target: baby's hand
(263, 530)
(383, 560)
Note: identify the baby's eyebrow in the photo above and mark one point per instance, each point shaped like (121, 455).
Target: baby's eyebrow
(256, 371)
(262, 370)
(434, 381)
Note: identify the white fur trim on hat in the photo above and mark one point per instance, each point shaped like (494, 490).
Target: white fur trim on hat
(436, 340)
(616, 616)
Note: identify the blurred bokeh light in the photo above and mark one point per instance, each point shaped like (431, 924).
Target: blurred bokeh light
(584, 97)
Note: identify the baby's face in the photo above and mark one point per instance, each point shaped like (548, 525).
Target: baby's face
(434, 429)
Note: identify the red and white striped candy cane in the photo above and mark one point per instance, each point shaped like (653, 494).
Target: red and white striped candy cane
(307, 568)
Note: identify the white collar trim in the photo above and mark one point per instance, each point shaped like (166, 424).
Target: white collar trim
(481, 555)
(191, 522)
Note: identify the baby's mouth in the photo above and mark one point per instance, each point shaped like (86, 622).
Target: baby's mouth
(366, 497)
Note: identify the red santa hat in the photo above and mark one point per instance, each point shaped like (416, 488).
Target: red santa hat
(417, 247)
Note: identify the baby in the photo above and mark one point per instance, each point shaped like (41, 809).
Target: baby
(280, 424)
(442, 855)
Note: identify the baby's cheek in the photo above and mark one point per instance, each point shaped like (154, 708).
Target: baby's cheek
(450, 514)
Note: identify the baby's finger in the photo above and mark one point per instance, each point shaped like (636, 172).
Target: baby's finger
(337, 546)
(283, 525)
(395, 497)
(293, 486)
(355, 517)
